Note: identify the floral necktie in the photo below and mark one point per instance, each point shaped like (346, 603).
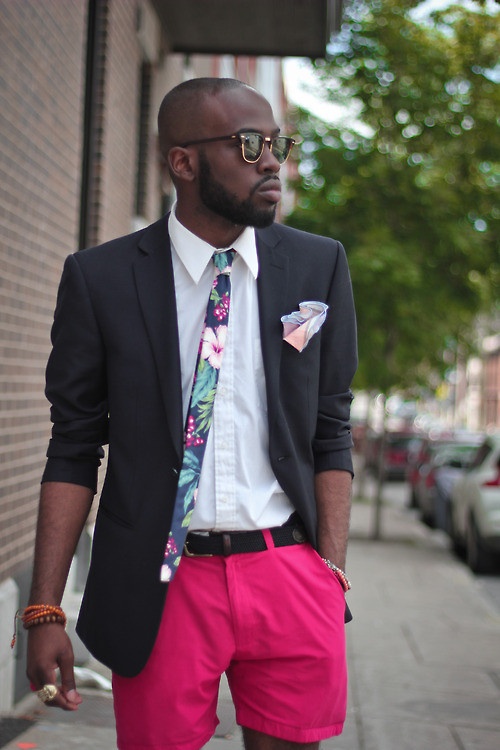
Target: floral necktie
(200, 412)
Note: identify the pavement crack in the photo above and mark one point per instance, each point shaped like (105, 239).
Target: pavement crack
(460, 745)
(413, 646)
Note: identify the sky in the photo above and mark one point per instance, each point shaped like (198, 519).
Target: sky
(302, 87)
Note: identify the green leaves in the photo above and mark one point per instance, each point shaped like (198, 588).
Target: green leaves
(413, 194)
(205, 382)
(189, 477)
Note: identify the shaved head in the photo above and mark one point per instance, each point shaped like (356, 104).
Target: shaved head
(218, 191)
(180, 118)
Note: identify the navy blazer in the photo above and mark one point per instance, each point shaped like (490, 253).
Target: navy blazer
(113, 377)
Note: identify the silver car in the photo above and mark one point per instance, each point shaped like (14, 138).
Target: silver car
(475, 509)
(447, 462)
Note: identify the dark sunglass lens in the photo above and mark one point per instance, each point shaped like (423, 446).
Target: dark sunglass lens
(253, 144)
(281, 148)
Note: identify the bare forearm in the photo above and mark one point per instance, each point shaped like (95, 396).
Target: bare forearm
(333, 500)
(63, 511)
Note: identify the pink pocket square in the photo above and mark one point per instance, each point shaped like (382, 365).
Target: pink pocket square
(299, 327)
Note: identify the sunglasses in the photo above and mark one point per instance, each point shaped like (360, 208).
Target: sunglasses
(252, 145)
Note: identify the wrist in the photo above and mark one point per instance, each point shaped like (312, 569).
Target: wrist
(339, 574)
(38, 614)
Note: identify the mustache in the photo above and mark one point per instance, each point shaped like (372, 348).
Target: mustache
(263, 180)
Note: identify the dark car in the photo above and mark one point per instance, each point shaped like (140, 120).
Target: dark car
(397, 448)
(420, 455)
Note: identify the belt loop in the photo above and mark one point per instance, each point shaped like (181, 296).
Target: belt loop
(226, 545)
(268, 538)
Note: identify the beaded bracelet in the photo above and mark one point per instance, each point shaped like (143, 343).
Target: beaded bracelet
(38, 614)
(341, 576)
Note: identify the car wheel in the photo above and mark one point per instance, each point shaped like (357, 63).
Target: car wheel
(412, 500)
(457, 543)
(428, 519)
(479, 559)
(448, 521)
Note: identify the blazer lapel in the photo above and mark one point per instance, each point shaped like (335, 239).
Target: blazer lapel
(156, 292)
(155, 288)
(272, 285)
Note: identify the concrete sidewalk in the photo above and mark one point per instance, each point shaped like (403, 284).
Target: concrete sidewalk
(424, 655)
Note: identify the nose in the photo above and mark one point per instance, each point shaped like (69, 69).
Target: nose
(268, 162)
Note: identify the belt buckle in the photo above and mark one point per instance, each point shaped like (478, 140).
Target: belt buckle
(194, 554)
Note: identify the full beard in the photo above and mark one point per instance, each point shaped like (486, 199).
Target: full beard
(223, 203)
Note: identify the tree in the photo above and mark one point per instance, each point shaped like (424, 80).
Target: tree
(411, 185)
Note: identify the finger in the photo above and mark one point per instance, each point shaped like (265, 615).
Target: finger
(67, 697)
(67, 700)
(68, 684)
(44, 689)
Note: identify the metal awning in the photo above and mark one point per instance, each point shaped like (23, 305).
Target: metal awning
(282, 28)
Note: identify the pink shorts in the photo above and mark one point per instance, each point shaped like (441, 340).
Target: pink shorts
(273, 621)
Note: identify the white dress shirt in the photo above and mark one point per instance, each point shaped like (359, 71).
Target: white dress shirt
(238, 489)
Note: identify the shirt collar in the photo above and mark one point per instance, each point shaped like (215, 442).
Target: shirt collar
(195, 254)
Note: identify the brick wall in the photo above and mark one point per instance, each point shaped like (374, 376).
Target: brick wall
(41, 140)
(491, 387)
(40, 151)
(121, 100)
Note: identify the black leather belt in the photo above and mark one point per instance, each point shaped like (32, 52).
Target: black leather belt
(236, 542)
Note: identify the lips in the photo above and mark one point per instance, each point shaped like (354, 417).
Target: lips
(270, 189)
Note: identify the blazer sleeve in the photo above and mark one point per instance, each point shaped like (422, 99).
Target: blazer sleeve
(333, 442)
(76, 385)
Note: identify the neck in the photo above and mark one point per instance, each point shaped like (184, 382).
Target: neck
(213, 229)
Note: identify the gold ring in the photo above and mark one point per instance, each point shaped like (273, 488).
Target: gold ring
(47, 693)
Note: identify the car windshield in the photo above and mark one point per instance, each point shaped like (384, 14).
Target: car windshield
(482, 454)
(455, 455)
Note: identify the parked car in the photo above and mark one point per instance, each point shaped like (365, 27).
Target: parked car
(446, 464)
(420, 454)
(475, 509)
(397, 446)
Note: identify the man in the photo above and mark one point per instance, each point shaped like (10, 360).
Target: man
(250, 597)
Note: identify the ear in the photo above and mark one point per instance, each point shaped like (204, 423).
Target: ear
(182, 163)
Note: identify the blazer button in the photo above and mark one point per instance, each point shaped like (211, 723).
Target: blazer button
(175, 471)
